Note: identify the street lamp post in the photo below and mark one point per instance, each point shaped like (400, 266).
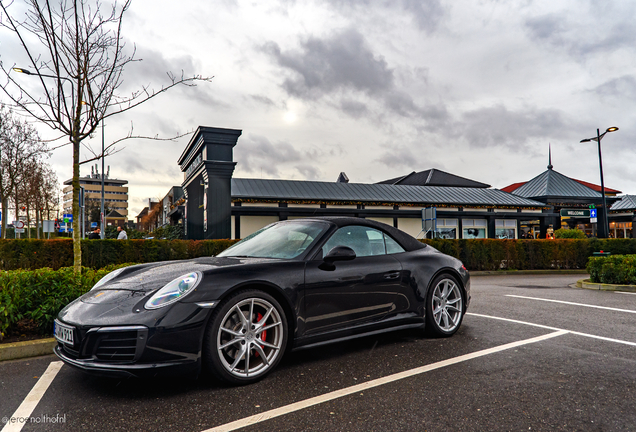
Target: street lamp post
(598, 138)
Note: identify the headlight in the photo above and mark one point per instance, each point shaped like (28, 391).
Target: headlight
(173, 291)
(109, 276)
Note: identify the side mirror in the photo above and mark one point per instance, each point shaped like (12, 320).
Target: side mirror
(339, 253)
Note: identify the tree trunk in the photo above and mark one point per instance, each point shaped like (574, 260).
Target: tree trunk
(28, 221)
(77, 245)
(37, 223)
(5, 209)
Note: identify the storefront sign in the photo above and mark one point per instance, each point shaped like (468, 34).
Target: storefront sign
(581, 213)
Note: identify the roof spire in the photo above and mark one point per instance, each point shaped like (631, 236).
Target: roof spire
(550, 156)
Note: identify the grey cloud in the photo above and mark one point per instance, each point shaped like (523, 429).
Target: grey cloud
(354, 108)
(264, 100)
(309, 172)
(152, 67)
(402, 156)
(623, 87)
(497, 126)
(427, 14)
(343, 61)
(581, 39)
(344, 64)
(257, 153)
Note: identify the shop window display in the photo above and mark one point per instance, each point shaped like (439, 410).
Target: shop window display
(474, 228)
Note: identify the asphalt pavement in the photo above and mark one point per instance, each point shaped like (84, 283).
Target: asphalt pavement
(533, 353)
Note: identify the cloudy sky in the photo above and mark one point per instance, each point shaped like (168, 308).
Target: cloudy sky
(379, 88)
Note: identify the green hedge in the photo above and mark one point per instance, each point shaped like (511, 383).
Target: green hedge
(478, 254)
(31, 299)
(614, 269)
(489, 254)
(34, 254)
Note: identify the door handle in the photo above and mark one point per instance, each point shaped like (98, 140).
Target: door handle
(392, 275)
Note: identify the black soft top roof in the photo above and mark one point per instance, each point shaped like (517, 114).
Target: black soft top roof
(405, 240)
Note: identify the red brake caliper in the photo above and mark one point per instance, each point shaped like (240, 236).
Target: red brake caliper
(263, 334)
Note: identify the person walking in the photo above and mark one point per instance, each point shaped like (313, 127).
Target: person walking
(95, 234)
(122, 234)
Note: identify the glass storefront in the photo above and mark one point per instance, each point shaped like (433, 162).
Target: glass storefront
(505, 229)
(446, 229)
(474, 228)
(529, 229)
(620, 230)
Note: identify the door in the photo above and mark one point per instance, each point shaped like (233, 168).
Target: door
(356, 292)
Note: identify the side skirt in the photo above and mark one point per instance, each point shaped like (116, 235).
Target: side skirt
(300, 345)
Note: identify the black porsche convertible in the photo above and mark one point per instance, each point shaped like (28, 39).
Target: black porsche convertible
(292, 284)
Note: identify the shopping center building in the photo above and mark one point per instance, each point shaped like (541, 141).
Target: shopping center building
(217, 205)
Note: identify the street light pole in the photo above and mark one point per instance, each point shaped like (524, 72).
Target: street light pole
(600, 164)
(598, 139)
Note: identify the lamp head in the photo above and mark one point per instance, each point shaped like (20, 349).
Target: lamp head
(24, 71)
(612, 129)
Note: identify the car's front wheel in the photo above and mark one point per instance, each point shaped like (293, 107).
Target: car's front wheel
(246, 337)
(444, 306)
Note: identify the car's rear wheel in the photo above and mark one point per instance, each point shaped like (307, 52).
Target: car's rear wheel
(246, 337)
(444, 306)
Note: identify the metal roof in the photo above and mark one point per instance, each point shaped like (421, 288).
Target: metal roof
(434, 177)
(262, 189)
(555, 184)
(627, 202)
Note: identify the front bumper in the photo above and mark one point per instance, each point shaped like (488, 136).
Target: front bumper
(140, 370)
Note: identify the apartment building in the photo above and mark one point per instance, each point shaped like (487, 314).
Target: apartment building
(115, 192)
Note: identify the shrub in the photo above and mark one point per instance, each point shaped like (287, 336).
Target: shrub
(33, 254)
(31, 299)
(490, 254)
(564, 233)
(613, 269)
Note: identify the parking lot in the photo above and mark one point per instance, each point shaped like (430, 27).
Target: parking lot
(532, 354)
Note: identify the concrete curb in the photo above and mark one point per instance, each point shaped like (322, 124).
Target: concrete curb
(32, 348)
(525, 272)
(586, 284)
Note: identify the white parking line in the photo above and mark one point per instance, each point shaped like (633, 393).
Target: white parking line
(248, 421)
(33, 398)
(555, 328)
(623, 292)
(574, 304)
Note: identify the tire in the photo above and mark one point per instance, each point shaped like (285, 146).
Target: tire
(246, 337)
(444, 306)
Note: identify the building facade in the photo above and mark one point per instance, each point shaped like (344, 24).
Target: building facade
(216, 205)
(115, 193)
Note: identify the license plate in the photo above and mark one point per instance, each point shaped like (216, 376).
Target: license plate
(62, 332)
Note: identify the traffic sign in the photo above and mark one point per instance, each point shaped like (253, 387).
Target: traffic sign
(48, 226)
(19, 225)
(68, 218)
(93, 225)
(593, 213)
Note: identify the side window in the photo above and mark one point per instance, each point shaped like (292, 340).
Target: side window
(392, 247)
(363, 240)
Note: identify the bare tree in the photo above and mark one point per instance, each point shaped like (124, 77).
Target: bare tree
(80, 51)
(40, 185)
(19, 143)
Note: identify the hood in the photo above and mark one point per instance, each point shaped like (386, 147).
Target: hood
(141, 279)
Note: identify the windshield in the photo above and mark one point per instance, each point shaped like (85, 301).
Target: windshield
(285, 240)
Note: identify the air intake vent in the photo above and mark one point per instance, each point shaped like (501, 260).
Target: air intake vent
(123, 344)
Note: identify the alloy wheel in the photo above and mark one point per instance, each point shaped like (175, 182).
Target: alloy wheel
(250, 338)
